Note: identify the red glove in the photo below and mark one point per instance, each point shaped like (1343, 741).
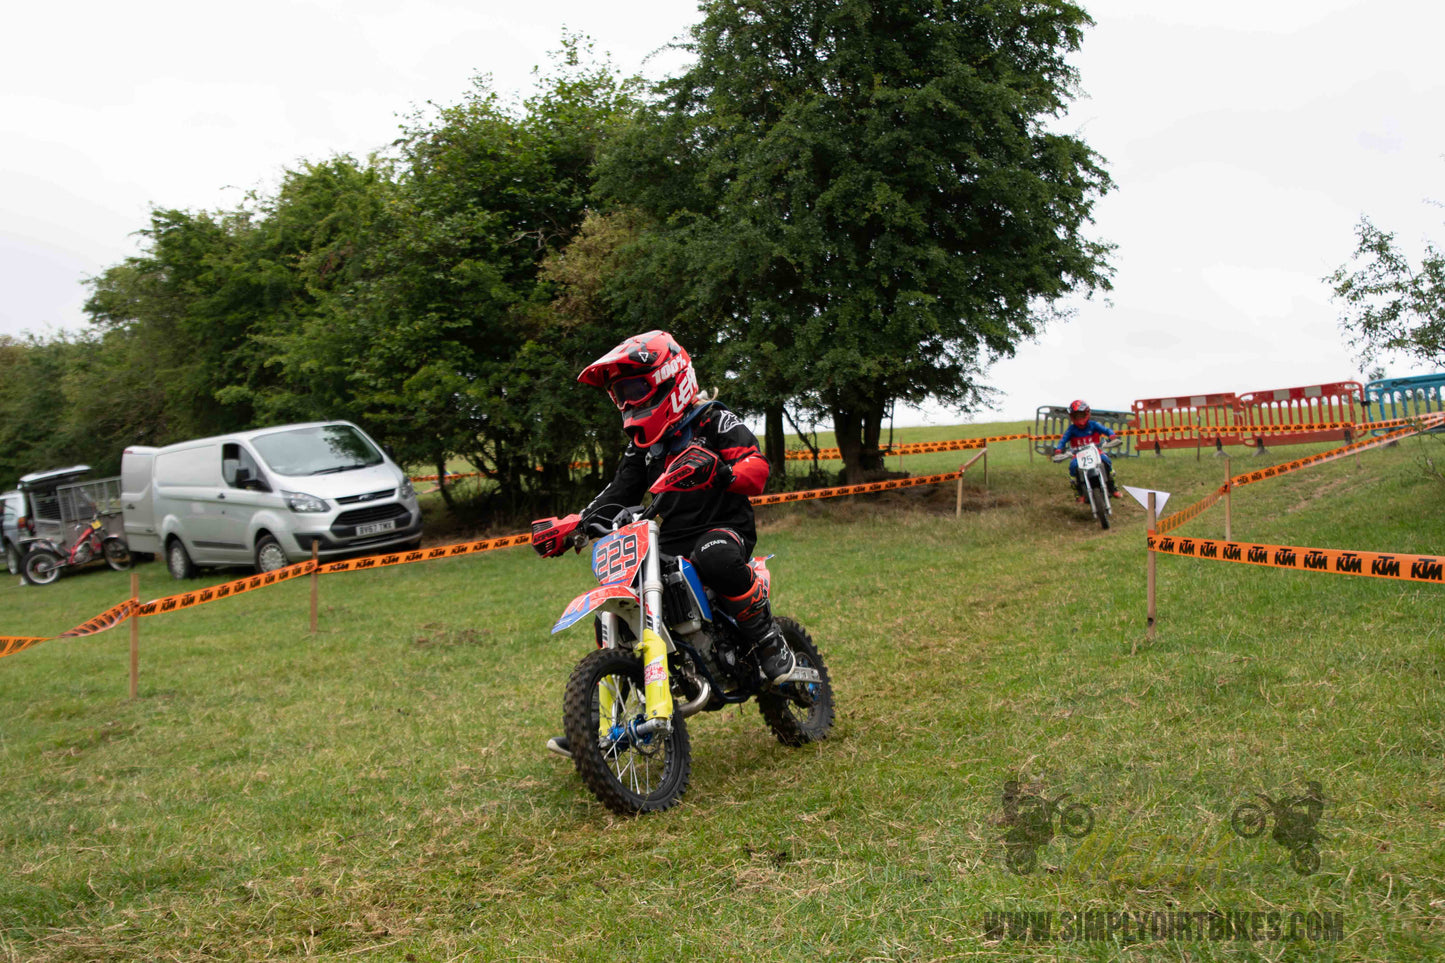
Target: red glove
(551, 536)
(696, 469)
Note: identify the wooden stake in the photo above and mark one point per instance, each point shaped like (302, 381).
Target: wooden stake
(315, 578)
(1149, 578)
(134, 634)
(1228, 489)
(958, 502)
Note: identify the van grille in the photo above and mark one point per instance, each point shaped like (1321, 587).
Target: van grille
(368, 497)
(376, 513)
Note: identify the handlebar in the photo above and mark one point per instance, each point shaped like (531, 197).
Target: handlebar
(1109, 445)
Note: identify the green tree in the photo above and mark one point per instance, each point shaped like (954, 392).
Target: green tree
(462, 354)
(35, 432)
(1389, 303)
(865, 198)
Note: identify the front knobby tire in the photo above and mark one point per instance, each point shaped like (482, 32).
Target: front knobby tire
(1100, 503)
(41, 566)
(800, 712)
(627, 775)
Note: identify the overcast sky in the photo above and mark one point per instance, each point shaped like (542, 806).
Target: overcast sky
(1247, 138)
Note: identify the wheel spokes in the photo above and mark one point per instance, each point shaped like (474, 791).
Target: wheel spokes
(619, 702)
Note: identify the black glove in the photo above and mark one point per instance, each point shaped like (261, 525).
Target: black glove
(696, 469)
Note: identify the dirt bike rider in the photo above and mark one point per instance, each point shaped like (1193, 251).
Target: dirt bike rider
(1083, 430)
(651, 380)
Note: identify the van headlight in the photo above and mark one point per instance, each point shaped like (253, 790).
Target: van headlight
(302, 502)
(407, 491)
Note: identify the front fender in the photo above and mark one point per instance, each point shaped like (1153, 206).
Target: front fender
(588, 602)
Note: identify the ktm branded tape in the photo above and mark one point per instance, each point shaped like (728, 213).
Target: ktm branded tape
(109, 619)
(424, 555)
(1393, 565)
(11, 644)
(863, 489)
(916, 447)
(186, 600)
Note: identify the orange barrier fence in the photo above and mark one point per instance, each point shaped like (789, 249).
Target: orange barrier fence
(1184, 422)
(1331, 410)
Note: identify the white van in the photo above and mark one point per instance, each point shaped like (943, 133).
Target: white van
(264, 497)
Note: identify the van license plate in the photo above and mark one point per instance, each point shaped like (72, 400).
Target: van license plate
(373, 529)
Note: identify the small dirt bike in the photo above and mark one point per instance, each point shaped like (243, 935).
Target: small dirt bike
(45, 559)
(1032, 826)
(1295, 820)
(664, 654)
(1092, 481)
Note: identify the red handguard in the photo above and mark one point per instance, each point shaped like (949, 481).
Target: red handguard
(696, 469)
(551, 536)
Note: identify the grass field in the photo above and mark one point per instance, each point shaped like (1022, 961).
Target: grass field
(379, 791)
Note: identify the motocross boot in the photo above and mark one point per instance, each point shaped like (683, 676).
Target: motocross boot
(560, 746)
(754, 617)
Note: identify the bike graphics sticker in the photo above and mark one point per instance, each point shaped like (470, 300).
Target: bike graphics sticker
(587, 602)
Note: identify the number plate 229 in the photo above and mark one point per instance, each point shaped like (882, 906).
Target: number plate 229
(617, 557)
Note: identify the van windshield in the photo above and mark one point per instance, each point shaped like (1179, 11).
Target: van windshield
(316, 450)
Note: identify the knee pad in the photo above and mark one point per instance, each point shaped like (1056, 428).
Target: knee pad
(718, 558)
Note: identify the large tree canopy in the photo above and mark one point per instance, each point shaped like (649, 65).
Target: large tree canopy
(864, 199)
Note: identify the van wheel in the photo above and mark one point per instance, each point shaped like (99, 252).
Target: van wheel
(179, 561)
(269, 554)
(12, 559)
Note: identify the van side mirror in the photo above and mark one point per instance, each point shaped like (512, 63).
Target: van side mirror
(244, 479)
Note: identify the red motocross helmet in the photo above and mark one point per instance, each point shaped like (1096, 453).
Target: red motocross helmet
(650, 380)
(1079, 412)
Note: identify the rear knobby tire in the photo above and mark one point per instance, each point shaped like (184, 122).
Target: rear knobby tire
(117, 553)
(798, 712)
(1100, 503)
(626, 777)
(41, 566)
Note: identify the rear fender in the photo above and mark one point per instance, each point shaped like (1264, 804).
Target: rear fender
(589, 602)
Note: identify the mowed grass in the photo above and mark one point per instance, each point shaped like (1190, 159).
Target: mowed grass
(379, 791)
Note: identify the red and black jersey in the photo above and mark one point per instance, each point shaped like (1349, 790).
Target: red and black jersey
(688, 514)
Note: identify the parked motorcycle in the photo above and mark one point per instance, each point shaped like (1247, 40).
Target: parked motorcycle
(665, 653)
(45, 559)
(1092, 480)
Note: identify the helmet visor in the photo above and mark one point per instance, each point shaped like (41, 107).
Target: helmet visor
(630, 392)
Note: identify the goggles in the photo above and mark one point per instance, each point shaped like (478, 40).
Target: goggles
(630, 392)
